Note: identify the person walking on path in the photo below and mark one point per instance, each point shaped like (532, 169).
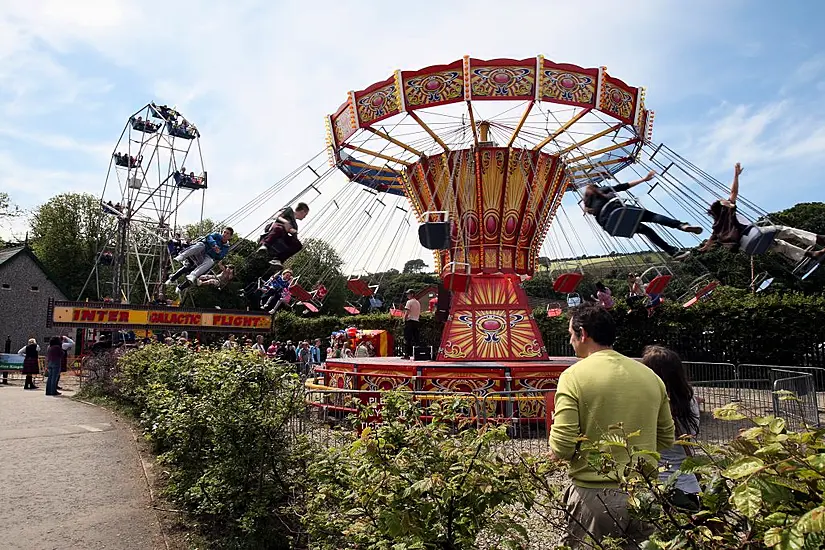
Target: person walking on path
(604, 389)
(31, 363)
(412, 314)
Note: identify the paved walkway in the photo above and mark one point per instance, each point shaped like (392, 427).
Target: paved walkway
(72, 477)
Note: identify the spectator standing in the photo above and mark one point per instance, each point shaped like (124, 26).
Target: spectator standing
(315, 352)
(259, 346)
(667, 365)
(605, 388)
(290, 353)
(31, 363)
(304, 357)
(272, 350)
(67, 344)
(230, 342)
(412, 313)
(54, 356)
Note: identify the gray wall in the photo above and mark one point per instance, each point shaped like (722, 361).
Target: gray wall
(23, 311)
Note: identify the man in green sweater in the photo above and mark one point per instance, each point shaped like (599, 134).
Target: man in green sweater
(605, 388)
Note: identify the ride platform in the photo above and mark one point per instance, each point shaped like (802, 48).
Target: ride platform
(393, 373)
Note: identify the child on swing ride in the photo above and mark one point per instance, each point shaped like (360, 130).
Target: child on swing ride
(227, 273)
(728, 228)
(276, 291)
(281, 238)
(599, 202)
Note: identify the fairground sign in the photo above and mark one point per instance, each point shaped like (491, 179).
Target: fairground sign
(119, 316)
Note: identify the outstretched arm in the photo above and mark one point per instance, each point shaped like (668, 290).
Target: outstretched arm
(648, 177)
(734, 187)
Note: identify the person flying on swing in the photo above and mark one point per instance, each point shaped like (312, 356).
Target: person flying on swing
(203, 256)
(598, 201)
(728, 229)
(281, 238)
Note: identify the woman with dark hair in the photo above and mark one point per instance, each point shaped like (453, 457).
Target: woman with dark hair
(667, 364)
(601, 201)
(31, 364)
(54, 357)
(729, 226)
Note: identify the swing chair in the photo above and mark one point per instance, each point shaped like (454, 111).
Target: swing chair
(435, 234)
(700, 290)
(360, 287)
(351, 309)
(554, 309)
(623, 221)
(656, 279)
(574, 299)
(456, 276)
(761, 282)
(395, 312)
(567, 283)
(806, 268)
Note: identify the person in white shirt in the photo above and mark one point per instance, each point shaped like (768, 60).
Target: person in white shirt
(412, 313)
(259, 345)
(230, 343)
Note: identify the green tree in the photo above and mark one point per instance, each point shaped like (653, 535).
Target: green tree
(809, 216)
(319, 262)
(415, 266)
(67, 233)
(199, 229)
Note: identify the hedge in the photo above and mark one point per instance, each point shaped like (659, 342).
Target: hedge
(733, 326)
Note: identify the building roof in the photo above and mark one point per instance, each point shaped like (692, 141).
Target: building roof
(7, 254)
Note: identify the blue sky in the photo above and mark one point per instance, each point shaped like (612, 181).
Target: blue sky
(729, 80)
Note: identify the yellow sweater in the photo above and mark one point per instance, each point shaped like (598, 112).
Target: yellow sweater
(603, 389)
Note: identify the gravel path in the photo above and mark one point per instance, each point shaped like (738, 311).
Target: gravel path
(71, 476)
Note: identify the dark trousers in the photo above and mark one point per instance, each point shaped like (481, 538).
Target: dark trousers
(54, 378)
(280, 244)
(29, 382)
(647, 231)
(410, 337)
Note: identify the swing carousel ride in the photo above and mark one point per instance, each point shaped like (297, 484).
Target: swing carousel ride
(486, 153)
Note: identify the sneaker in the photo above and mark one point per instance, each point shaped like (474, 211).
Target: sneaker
(276, 263)
(695, 229)
(681, 255)
(261, 248)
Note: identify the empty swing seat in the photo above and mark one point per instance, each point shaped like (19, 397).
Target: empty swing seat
(456, 281)
(623, 221)
(756, 240)
(352, 310)
(434, 235)
(567, 282)
(310, 307)
(359, 287)
(658, 284)
(395, 312)
(299, 293)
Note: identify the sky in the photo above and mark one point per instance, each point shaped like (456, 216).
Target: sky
(729, 80)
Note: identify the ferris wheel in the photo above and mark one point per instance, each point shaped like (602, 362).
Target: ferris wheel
(156, 166)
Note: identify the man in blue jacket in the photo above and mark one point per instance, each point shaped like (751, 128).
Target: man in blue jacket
(203, 256)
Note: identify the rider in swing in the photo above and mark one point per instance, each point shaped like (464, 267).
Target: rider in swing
(281, 240)
(203, 256)
(598, 202)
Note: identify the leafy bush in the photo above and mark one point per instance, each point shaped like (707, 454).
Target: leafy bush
(408, 484)
(734, 326)
(765, 489)
(223, 422)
